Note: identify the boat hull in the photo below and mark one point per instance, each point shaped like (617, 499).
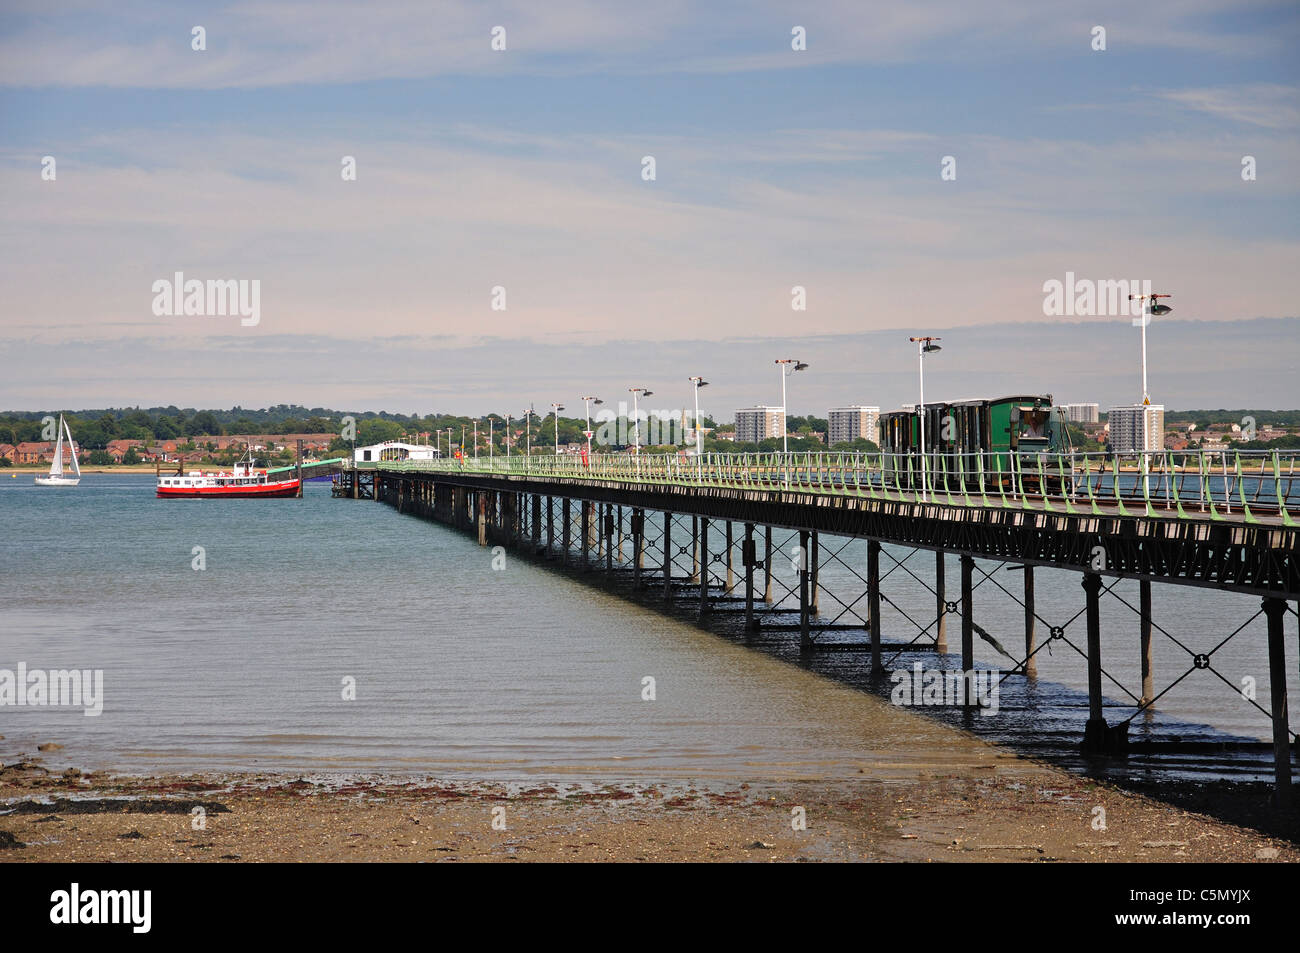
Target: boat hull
(282, 490)
(57, 481)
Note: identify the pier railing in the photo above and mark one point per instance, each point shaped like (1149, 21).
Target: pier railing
(1203, 484)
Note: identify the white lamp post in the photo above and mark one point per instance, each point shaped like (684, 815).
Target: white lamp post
(1152, 306)
(924, 346)
(555, 409)
(587, 402)
(637, 392)
(788, 366)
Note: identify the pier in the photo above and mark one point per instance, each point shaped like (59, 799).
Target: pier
(700, 531)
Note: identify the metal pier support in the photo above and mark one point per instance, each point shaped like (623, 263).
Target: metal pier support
(668, 556)
(1275, 611)
(638, 536)
(967, 615)
(748, 558)
(704, 567)
(1095, 734)
(941, 604)
(813, 560)
(873, 605)
(566, 530)
(767, 564)
(1144, 639)
(1031, 636)
(805, 637)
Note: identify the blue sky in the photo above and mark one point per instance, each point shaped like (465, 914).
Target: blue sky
(522, 169)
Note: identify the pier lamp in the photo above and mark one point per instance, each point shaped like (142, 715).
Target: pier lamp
(587, 402)
(528, 431)
(1151, 307)
(555, 409)
(698, 382)
(788, 366)
(924, 346)
(637, 393)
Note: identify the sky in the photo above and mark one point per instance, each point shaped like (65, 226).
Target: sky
(480, 170)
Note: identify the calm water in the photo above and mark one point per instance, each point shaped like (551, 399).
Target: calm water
(461, 669)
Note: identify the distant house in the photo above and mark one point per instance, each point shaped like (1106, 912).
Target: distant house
(7, 451)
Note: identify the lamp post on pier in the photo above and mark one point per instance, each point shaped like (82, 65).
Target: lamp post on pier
(924, 346)
(587, 402)
(788, 366)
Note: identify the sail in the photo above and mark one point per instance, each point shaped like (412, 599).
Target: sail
(73, 447)
(56, 468)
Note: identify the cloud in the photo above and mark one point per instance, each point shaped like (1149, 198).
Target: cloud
(1270, 106)
(264, 43)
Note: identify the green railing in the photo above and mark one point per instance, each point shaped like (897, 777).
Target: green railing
(1211, 484)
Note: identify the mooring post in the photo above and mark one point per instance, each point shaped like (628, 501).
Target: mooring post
(1275, 611)
(814, 558)
(805, 634)
(767, 564)
(1031, 634)
(1094, 733)
(749, 556)
(731, 578)
(300, 469)
(566, 526)
(668, 556)
(1144, 640)
(704, 567)
(967, 618)
(873, 605)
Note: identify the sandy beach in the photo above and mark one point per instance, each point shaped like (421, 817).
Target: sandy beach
(1012, 811)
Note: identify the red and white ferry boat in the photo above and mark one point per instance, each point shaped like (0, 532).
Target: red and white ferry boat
(243, 481)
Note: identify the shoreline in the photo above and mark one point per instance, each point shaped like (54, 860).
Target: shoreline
(1014, 811)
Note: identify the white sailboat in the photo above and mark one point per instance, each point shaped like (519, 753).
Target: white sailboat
(56, 477)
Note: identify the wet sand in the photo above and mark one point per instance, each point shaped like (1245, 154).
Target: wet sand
(1004, 809)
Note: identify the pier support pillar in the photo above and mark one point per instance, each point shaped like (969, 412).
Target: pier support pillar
(1095, 732)
(941, 604)
(748, 557)
(668, 556)
(873, 605)
(695, 548)
(731, 577)
(704, 567)
(537, 522)
(1031, 634)
(814, 559)
(550, 525)
(767, 564)
(1275, 612)
(480, 500)
(584, 529)
(1144, 640)
(609, 541)
(967, 615)
(805, 634)
(638, 534)
(566, 526)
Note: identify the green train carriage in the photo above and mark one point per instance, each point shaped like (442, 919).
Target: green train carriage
(1002, 435)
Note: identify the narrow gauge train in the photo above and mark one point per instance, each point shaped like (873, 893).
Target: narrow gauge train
(1003, 437)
